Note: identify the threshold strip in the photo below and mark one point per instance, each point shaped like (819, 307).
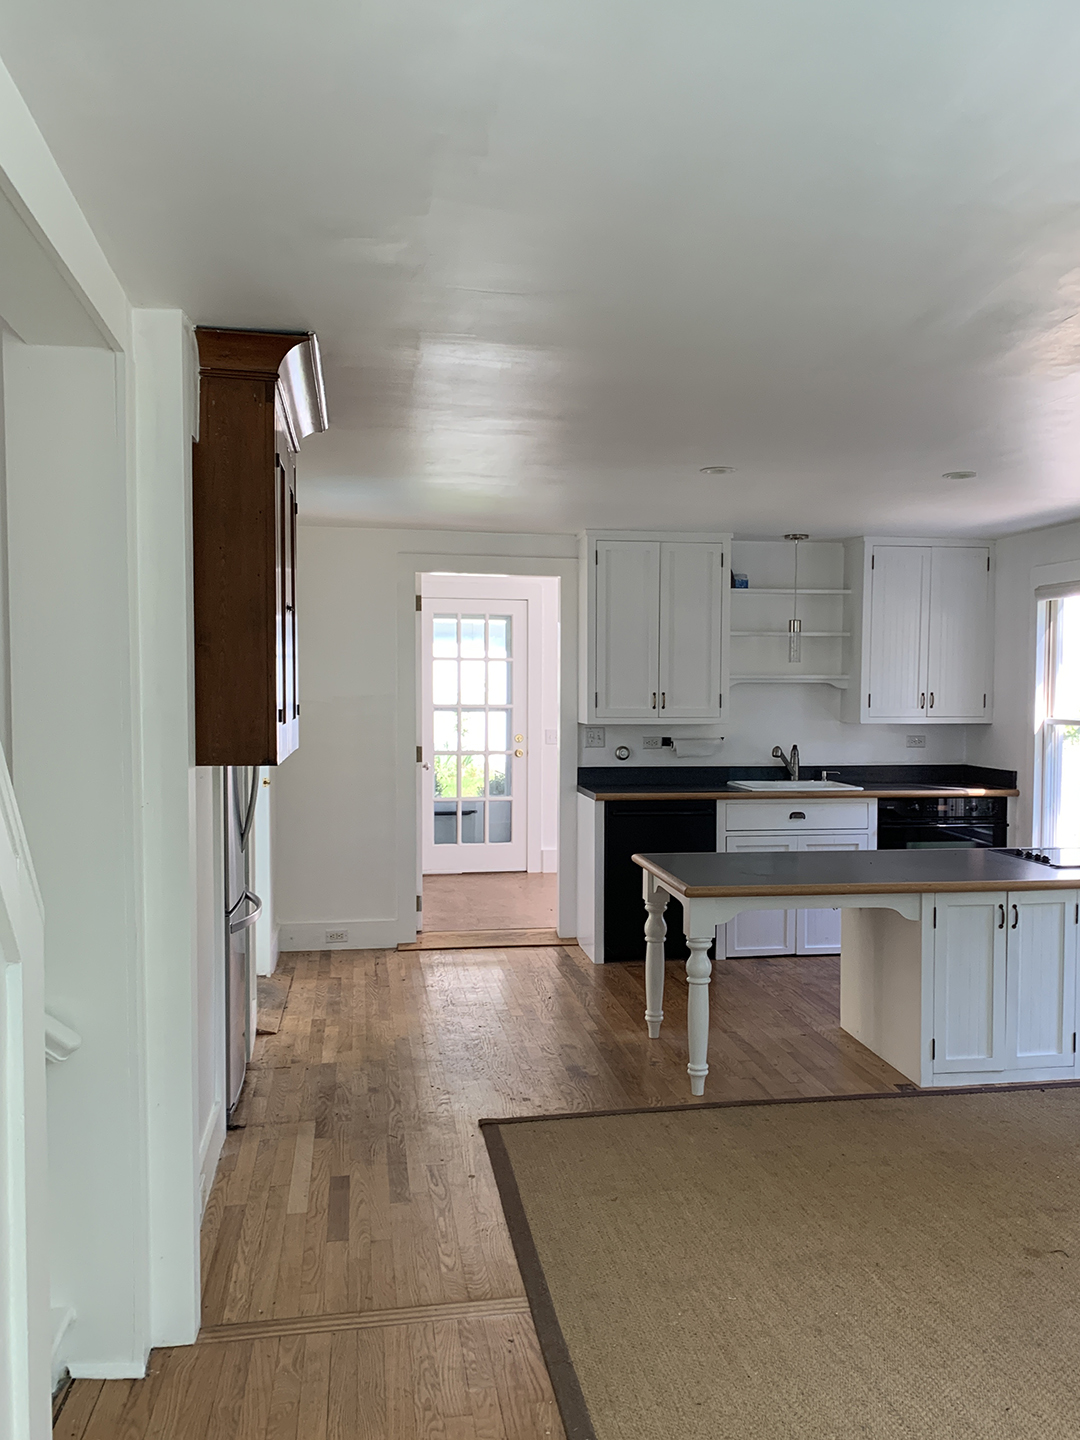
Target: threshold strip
(365, 1320)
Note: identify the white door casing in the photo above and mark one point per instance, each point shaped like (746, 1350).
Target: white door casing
(899, 630)
(970, 942)
(691, 599)
(474, 776)
(1040, 1002)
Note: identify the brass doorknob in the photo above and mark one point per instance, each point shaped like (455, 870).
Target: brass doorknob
(519, 753)
(519, 738)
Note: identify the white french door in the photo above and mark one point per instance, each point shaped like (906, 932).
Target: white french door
(475, 704)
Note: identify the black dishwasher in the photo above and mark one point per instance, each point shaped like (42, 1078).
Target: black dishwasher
(635, 827)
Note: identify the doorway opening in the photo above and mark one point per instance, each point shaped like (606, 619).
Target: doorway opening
(488, 791)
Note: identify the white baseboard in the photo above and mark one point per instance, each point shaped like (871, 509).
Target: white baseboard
(549, 862)
(107, 1370)
(268, 965)
(213, 1138)
(62, 1317)
(359, 935)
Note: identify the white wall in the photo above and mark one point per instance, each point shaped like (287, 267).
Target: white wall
(345, 802)
(1010, 741)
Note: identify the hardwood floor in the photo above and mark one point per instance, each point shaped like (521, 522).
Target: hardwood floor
(513, 900)
(358, 1280)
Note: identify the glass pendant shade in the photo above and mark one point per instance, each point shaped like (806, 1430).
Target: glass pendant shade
(794, 653)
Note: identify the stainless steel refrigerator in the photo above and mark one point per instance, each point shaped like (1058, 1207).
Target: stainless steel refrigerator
(242, 908)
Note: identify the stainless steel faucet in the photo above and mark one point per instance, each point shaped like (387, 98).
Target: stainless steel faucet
(791, 761)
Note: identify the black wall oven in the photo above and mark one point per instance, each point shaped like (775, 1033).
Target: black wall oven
(948, 822)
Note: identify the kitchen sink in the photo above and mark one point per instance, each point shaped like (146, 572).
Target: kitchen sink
(781, 785)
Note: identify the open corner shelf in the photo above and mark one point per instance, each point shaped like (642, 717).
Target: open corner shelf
(839, 681)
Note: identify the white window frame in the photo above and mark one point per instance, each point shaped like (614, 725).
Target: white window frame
(1049, 726)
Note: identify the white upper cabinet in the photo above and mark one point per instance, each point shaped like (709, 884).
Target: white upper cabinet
(921, 632)
(653, 628)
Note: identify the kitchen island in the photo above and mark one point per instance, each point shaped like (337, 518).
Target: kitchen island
(957, 967)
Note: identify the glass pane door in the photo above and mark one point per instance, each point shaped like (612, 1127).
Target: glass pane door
(475, 660)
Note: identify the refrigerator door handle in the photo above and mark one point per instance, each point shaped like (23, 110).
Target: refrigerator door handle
(250, 918)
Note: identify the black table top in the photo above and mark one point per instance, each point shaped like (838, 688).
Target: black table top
(845, 872)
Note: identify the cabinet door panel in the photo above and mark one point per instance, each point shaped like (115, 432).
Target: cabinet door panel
(1041, 965)
(969, 982)
(627, 629)
(899, 614)
(817, 932)
(760, 932)
(958, 681)
(691, 594)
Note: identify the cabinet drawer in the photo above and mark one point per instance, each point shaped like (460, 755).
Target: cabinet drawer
(798, 815)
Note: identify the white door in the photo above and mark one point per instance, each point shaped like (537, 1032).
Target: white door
(1041, 985)
(969, 982)
(958, 680)
(627, 630)
(691, 597)
(760, 932)
(817, 932)
(474, 682)
(899, 623)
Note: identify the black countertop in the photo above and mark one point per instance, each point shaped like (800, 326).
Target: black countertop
(610, 782)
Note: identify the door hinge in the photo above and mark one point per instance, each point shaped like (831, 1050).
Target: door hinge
(419, 754)
(281, 715)
(935, 918)
(419, 902)
(933, 1049)
(419, 602)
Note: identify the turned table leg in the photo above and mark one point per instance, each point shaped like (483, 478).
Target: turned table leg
(655, 930)
(698, 974)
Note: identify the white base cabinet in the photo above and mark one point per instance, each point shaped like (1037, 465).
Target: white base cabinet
(981, 988)
(756, 933)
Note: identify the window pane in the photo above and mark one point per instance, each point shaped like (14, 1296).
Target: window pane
(497, 681)
(498, 775)
(1067, 830)
(472, 775)
(472, 635)
(499, 822)
(445, 823)
(472, 682)
(444, 682)
(444, 635)
(499, 636)
(472, 823)
(498, 730)
(446, 774)
(446, 730)
(1067, 674)
(472, 730)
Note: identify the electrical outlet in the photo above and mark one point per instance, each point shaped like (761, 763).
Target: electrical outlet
(916, 742)
(336, 937)
(650, 742)
(595, 738)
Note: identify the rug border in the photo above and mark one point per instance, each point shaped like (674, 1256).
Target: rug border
(569, 1397)
(914, 1092)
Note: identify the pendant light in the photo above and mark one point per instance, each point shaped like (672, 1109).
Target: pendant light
(795, 624)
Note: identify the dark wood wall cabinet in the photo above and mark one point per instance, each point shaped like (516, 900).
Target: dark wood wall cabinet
(261, 393)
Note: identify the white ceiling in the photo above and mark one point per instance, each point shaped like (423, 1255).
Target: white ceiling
(561, 254)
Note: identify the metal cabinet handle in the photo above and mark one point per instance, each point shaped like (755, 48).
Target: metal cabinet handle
(922, 701)
(1015, 919)
(931, 699)
(654, 699)
(1001, 917)
(663, 699)
(249, 897)
(797, 815)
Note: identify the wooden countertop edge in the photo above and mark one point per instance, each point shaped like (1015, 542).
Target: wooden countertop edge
(907, 887)
(954, 793)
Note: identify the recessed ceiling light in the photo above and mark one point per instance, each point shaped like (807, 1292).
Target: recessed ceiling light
(959, 475)
(717, 469)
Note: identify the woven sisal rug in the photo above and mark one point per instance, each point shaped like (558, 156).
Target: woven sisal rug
(894, 1267)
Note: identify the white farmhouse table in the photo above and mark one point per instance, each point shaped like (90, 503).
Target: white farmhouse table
(714, 888)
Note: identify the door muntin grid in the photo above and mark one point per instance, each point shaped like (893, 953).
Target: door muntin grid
(472, 715)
